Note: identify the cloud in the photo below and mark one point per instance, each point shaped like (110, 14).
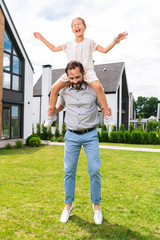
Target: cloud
(58, 9)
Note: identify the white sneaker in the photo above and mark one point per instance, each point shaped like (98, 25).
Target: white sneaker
(49, 121)
(65, 214)
(98, 218)
(109, 121)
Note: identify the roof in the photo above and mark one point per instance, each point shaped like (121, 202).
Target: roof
(8, 17)
(108, 74)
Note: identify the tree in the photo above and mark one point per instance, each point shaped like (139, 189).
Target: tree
(146, 107)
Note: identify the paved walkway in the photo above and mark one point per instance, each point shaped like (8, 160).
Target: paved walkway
(12, 142)
(117, 147)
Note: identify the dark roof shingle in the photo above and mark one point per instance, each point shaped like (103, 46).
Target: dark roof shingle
(108, 74)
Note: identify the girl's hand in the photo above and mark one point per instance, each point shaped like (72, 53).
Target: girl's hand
(38, 35)
(121, 36)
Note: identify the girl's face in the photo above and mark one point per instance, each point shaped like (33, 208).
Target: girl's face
(78, 28)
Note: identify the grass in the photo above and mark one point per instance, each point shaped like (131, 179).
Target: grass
(32, 196)
(131, 145)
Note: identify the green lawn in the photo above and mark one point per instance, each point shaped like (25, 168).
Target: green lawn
(32, 196)
(131, 145)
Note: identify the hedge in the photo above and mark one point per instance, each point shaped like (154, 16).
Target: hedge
(135, 137)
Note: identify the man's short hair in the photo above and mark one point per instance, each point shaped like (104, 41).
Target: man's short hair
(72, 65)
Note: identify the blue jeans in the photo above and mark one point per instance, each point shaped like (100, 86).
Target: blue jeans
(73, 144)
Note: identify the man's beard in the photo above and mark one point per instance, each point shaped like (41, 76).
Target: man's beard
(77, 85)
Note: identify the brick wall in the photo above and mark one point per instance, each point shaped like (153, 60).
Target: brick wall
(2, 23)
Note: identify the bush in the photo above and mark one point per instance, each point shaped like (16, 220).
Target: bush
(153, 138)
(19, 144)
(29, 137)
(127, 137)
(44, 133)
(144, 138)
(120, 137)
(114, 129)
(60, 139)
(64, 129)
(131, 128)
(8, 146)
(35, 142)
(53, 139)
(136, 137)
(50, 134)
(104, 136)
(99, 135)
(57, 133)
(104, 127)
(122, 127)
(38, 127)
(113, 137)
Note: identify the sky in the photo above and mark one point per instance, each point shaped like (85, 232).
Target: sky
(105, 19)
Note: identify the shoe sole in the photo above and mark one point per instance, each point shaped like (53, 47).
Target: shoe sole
(110, 124)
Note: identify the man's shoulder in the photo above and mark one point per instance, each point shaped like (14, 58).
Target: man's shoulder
(64, 90)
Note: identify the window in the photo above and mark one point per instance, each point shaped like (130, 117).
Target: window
(11, 121)
(15, 122)
(6, 123)
(12, 65)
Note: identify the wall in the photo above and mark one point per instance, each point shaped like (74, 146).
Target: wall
(36, 116)
(28, 76)
(2, 21)
(46, 87)
(28, 100)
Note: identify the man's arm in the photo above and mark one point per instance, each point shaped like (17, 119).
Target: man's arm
(59, 108)
(48, 44)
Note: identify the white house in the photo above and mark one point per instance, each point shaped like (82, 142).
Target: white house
(158, 112)
(113, 79)
(16, 81)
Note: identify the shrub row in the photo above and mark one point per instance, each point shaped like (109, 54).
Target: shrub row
(135, 137)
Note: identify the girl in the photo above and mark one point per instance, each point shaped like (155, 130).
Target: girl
(80, 50)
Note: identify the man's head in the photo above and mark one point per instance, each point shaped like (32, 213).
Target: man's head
(75, 73)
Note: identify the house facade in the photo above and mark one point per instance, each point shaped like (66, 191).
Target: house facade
(16, 81)
(113, 79)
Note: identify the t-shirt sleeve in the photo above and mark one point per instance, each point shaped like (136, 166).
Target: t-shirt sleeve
(93, 45)
(61, 99)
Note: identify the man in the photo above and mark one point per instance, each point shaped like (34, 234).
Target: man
(81, 118)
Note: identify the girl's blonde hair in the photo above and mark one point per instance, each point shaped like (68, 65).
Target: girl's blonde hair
(83, 21)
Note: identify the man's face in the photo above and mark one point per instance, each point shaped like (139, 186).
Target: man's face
(75, 77)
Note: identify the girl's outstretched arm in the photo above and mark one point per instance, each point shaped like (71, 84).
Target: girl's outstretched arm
(119, 38)
(48, 44)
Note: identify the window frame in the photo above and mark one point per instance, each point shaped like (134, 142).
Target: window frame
(20, 125)
(14, 53)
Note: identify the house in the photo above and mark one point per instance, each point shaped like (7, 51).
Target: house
(16, 81)
(113, 79)
(158, 112)
(132, 106)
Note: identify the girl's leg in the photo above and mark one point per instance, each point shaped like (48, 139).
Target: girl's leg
(56, 87)
(101, 97)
